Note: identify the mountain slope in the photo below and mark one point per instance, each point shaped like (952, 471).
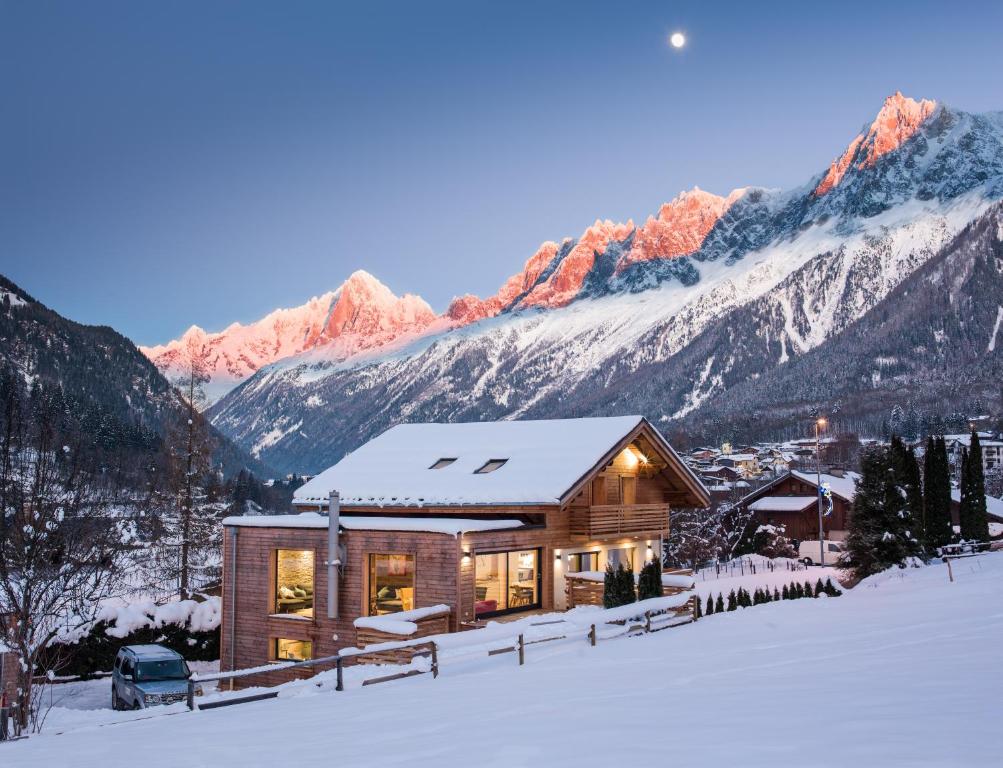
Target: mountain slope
(776, 274)
(99, 370)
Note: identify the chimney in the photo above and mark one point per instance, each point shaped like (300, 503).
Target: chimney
(333, 552)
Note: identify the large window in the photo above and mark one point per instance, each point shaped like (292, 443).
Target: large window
(507, 581)
(294, 582)
(617, 557)
(391, 584)
(583, 561)
(293, 650)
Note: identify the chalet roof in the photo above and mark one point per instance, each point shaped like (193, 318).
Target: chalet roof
(448, 525)
(844, 487)
(544, 460)
(994, 506)
(782, 503)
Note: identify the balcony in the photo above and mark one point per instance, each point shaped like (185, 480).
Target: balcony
(606, 520)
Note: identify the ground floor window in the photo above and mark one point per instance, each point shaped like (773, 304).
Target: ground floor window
(507, 581)
(391, 583)
(293, 650)
(583, 561)
(294, 582)
(618, 557)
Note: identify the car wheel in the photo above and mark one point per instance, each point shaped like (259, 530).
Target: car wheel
(114, 700)
(136, 705)
(808, 561)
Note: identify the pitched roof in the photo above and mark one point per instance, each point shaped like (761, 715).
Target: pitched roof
(544, 461)
(782, 503)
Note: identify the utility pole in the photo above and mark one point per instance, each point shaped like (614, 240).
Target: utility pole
(819, 425)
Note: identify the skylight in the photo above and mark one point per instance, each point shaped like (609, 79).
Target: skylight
(442, 463)
(490, 466)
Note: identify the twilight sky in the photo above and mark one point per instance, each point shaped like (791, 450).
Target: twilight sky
(163, 164)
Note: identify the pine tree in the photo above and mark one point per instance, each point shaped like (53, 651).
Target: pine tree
(877, 536)
(972, 514)
(719, 603)
(819, 588)
(937, 496)
(610, 588)
(808, 591)
(776, 594)
(830, 589)
(710, 606)
(698, 611)
(649, 583)
(903, 463)
(786, 593)
(798, 590)
(732, 601)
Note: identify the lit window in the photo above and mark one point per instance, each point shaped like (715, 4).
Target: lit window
(506, 581)
(583, 561)
(391, 584)
(490, 466)
(294, 582)
(293, 650)
(442, 463)
(618, 557)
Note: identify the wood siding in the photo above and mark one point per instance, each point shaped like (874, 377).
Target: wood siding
(802, 525)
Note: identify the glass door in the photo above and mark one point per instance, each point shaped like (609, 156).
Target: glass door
(507, 581)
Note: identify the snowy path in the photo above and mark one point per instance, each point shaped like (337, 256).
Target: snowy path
(903, 670)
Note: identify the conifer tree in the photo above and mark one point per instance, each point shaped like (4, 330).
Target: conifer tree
(972, 514)
(786, 593)
(698, 611)
(903, 463)
(937, 494)
(877, 536)
(710, 606)
(798, 591)
(776, 594)
(719, 603)
(830, 589)
(819, 588)
(649, 583)
(808, 590)
(732, 601)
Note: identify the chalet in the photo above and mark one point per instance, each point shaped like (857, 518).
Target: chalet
(746, 463)
(992, 450)
(446, 525)
(792, 500)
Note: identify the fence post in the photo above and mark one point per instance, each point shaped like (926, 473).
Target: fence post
(191, 694)
(435, 660)
(592, 636)
(647, 621)
(339, 684)
(950, 574)
(522, 650)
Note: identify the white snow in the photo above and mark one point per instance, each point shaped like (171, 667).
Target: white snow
(400, 623)
(543, 459)
(450, 525)
(781, 503)
(903, 670)
(996, 329)
(13, 298)
(845, 487)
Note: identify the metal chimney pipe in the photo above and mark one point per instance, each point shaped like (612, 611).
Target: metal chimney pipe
(333, 560)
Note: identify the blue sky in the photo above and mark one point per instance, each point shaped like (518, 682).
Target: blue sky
(163, 164)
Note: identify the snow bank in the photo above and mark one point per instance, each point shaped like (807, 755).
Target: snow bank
(401, 623)
(123, 620)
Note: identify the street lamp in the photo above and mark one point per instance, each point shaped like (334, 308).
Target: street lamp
(819, 426)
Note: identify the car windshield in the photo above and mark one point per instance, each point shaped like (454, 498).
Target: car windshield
(163, 669)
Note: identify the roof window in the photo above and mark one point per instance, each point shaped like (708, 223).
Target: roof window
(441, 463)
(490, 466)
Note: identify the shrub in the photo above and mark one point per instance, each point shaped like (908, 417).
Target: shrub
(732, 601)
(719, 603)
(710, 606)
(618, 587)
(649, 583)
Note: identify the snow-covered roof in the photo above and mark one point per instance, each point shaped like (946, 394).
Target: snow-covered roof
(845, 487)
(543, 461)
(994, 506)
(450, 525)
(782, 503)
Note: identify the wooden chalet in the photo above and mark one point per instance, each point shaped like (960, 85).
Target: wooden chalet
(792, 500)
(443, 526)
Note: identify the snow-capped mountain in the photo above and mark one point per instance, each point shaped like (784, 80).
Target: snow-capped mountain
(362, 314)
(649, 317)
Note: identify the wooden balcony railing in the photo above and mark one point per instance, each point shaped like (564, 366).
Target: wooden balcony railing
(618, 519)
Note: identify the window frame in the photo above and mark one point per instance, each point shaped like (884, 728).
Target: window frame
(274, 654)
(539, 581)
(483, 469)
(443, 463)
(273, 606)
(592, 555)
(367, 588)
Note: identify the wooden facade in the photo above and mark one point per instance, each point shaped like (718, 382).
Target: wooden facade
(621, 505)
(8, 675)
(803, 524)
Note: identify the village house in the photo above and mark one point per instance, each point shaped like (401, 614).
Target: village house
(992, 449)
(444, 526)
(792, 501)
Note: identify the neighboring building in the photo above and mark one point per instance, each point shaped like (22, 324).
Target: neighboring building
(747, 463)
(992, 450)
(792, 500)
(482, 518)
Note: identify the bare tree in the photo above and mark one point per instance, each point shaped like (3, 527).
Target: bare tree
(61, 533)
(189, 541)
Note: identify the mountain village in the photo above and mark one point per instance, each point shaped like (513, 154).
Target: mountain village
(724, 484)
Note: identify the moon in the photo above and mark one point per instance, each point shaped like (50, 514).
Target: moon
(677, 39)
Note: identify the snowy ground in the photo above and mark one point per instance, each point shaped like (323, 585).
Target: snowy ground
(902, 670)
(752, 571)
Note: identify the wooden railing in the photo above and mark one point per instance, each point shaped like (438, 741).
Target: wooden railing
(618, 519)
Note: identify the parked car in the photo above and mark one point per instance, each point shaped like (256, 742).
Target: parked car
(146, 675)
(808, 552)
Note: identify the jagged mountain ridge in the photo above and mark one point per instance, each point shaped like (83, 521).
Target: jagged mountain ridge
(100, 370)
(639, 334)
